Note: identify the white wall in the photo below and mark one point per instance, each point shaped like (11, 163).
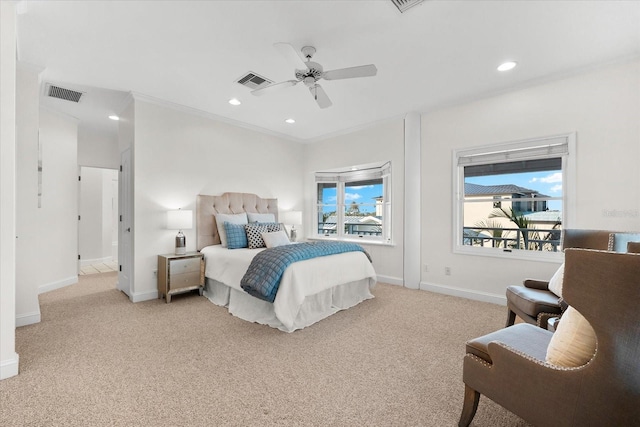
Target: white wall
(602, 107)
(97, 204)
(178, 155)
(378, 143)
(57, 252)
(28, 233)
(8, 356)
(97, 149)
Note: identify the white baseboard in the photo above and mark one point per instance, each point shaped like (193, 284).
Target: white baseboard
(57, 284)
(27, 318)
(390, 280)
(86, 262)
(9, 367)
(143, 296)
(464, 293)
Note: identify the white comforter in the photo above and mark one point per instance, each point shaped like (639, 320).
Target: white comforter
(300, 280)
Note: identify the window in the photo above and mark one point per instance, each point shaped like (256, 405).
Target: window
(355, 203)
(512, 198)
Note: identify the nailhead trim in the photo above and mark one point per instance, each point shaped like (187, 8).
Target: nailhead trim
(532, 359)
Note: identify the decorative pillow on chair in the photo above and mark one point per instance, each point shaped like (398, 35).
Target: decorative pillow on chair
(236, 235)
(240, 218)
(254, 236)
(275, 239)
(574, 342)
(555, 283)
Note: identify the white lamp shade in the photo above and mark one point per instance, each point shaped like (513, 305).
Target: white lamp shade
(179, 219)
(292, 217)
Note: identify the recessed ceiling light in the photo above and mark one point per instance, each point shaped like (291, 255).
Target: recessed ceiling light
(234, 101)
(354, 168)
(114, 117)
(506, 66)
(290, 121)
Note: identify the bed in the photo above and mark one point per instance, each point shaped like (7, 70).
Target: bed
(310, 290)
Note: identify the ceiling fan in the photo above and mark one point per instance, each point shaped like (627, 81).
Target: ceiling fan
(310, 72)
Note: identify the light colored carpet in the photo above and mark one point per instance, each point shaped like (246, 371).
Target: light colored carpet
(96, 359)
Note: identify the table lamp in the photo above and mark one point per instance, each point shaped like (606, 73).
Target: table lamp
(294, 218)
(180, 220)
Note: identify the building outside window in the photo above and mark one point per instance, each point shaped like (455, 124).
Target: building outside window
(354, 203)
(511, 198)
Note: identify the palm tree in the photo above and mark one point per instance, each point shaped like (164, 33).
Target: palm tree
(494, 228)
(523, 224)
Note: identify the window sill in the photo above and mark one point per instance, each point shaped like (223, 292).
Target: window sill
(522, 255)
(352, 240)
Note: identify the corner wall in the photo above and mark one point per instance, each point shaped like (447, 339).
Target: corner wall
(379, 143)
(28, 232)
(57, 225)
(178, 155)
(601, 106)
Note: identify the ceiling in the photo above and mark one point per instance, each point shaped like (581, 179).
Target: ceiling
(191, 53)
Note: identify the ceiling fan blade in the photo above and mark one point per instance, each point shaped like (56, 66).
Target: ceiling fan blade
(349, 73)
(273, 87)
(292, 55)
(320, 96)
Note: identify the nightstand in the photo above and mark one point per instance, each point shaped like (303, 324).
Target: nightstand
(180, 273)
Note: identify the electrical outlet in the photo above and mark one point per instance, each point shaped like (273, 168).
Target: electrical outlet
(447, 271)
(426, 268)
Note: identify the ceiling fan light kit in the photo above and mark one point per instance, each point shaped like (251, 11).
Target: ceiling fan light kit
(310, 72)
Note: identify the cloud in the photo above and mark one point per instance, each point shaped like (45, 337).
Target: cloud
(549, 179)
(351, 196)
(556, 188)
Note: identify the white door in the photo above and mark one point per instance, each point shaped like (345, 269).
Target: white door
(97, 225)
(125, 232)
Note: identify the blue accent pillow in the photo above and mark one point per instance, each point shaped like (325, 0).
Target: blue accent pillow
(236, 235)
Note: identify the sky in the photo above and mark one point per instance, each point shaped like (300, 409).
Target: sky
(359, 194)
(548, 183)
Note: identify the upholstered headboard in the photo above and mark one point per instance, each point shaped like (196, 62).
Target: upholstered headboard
(228, 203)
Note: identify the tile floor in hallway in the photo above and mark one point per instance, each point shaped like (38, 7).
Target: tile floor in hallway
(102, 267)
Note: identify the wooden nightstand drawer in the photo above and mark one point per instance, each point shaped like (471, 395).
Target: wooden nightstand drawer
(181, 266)
(177, 281)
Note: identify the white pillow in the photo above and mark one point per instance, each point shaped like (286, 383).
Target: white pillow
(574, 342)
(261, 217)
(240, 218)
(555, 284)
(275, 239)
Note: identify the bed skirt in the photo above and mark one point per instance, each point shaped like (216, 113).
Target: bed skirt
(313, 309)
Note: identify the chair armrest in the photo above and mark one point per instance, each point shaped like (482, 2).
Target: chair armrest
(536, 284)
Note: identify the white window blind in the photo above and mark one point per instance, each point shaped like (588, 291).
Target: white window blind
(532, 149)
(356, 175)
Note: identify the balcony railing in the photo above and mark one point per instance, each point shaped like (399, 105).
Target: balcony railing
(327, 228)
(513, 238)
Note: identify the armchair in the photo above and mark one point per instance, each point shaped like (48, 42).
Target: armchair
(534, 302)
(509, 366)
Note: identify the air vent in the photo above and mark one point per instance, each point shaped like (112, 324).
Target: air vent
(62, 93)
(254, 81)
(404, 5)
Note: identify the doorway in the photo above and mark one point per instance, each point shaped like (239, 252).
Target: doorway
(97, 220)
